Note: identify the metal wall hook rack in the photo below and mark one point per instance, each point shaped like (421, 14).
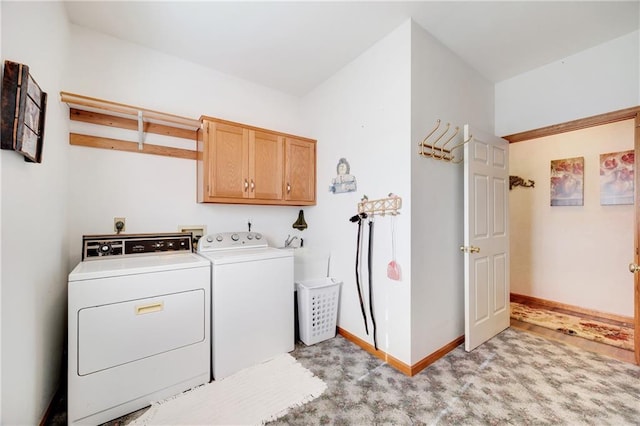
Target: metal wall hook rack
(381, 207)
(431, 149)
(518, 181)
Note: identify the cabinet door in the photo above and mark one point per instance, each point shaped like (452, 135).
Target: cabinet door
(265, 165)
(228, 173)
(300, 171)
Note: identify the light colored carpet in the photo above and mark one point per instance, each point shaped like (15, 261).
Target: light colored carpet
(621, 337)
(251, 396)
(516, 378)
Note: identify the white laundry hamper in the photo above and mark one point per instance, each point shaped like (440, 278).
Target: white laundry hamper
(317, 309)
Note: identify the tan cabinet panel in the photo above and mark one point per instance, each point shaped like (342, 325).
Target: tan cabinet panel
(300, 170)
(228, 174)
(265, 164)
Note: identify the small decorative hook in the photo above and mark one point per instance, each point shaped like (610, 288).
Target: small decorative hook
(424, 141)
(518, 181)
(453, 160)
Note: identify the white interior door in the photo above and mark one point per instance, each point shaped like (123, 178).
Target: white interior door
(636, 257)
(486, 237)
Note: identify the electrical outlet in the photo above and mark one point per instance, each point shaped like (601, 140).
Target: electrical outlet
(119, 224)
(196, 230)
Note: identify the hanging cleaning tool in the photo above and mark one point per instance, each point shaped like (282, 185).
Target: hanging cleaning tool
(393, 269)
(369, 264)
(368, 209)
(358, 218)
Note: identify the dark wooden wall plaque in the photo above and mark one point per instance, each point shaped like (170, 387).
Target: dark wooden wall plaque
(23, 112)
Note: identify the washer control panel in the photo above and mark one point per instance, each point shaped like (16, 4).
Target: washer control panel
(231, 240)
(99, 246)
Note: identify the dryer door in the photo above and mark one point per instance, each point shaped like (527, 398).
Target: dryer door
(118, 333)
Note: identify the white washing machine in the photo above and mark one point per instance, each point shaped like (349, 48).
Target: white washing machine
(252, 292)
(139, 324)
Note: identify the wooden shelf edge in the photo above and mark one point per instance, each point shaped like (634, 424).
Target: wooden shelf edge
(129, 124)
(258, 201)
(120, 145)
(87, 103)
(583, 123)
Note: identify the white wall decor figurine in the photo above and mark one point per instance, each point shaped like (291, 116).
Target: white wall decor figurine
(344, 181)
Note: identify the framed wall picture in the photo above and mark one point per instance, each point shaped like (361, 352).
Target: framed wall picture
(23, 112)
(616, 178)
(344, 180)
(567, 182)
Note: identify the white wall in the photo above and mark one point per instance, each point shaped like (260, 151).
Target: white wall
(442, 87)
(602, 79)
(362, 113)
(574, 255)
(373, 112)
(33, 222)
(154, 193)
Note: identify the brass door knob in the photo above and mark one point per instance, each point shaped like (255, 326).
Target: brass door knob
(470, 249)
(633, 268)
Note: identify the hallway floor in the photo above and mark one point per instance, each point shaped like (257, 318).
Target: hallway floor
(579, 342)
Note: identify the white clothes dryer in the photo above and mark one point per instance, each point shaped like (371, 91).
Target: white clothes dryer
(252, 291)
(139, 318)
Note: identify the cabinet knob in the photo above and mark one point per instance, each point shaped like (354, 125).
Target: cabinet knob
(246, 185)
(288, 187)
(253, 185)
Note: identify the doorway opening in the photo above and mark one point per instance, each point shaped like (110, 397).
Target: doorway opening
(633, 115)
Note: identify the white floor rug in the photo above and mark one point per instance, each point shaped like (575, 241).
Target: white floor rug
(251, 396)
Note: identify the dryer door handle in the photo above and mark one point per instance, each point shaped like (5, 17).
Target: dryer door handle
(149, 308)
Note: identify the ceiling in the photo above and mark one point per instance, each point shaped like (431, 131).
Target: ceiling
(294, 46)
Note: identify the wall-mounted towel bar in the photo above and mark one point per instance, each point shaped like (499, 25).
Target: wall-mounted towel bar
(430, 148)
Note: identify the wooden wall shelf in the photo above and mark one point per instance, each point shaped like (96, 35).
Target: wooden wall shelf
(112, 114)
(120, 145)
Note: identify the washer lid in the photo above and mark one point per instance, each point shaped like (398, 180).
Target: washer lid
(222, 257)
(114, 267)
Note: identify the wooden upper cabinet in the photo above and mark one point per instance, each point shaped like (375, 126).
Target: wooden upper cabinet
(228, 166)
(265, 165)
(300, 170)
(247, 165)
